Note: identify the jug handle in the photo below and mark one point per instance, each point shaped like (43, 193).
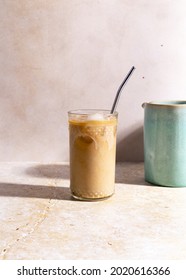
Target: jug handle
(143, 105)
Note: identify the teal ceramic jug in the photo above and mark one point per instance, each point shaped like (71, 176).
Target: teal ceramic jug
(165, 143)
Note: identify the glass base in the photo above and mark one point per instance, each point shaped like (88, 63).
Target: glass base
(91, 199)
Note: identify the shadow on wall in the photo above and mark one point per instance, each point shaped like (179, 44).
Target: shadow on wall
(131, 148)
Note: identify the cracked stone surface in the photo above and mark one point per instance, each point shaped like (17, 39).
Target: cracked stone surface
(40, 220)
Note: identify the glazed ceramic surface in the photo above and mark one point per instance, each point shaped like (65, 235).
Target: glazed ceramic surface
(165, 143)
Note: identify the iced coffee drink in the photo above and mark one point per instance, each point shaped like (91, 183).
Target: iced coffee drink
(92, 153)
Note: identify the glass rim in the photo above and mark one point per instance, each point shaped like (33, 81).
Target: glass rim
(87, 112)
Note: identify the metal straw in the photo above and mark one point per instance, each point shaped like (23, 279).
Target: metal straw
(119, 90)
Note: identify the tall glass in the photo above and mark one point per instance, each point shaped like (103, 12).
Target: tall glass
(92, 153)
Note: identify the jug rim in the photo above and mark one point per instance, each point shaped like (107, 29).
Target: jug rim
(166, 103)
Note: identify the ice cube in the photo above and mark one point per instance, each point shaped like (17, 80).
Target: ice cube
(96, 117)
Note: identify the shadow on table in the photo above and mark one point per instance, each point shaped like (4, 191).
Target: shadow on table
(48, 191)
(53, 171)
(126, 173)
(37, 191)
(131, 173)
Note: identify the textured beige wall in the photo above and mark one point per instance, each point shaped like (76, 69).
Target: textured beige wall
(57, 55)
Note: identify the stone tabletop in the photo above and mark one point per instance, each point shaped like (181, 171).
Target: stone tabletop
(40, 220)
